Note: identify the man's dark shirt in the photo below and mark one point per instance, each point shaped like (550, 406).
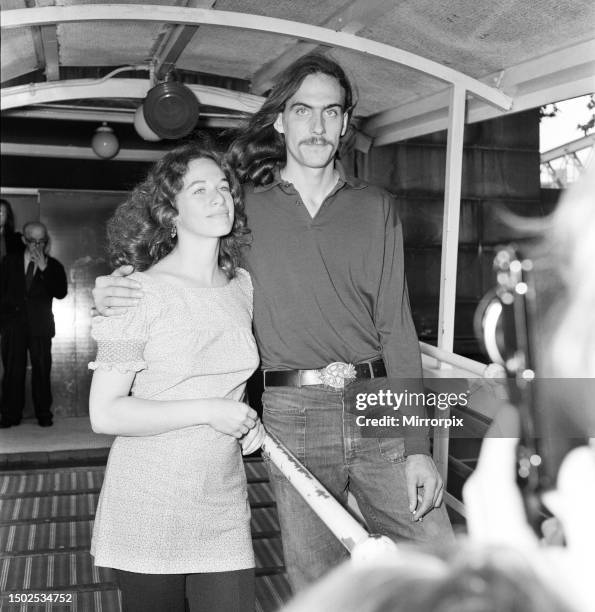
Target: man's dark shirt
(330, 288)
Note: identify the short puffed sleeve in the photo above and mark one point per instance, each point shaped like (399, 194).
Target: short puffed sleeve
(245, 282)
(121, 340)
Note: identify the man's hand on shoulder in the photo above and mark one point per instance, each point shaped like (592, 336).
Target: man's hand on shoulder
(424, 485)
(115, 293)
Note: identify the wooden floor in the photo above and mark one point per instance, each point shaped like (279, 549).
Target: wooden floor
(46, 520)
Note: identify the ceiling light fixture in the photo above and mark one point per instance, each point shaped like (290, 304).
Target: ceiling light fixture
(170, 111)
(105, 143)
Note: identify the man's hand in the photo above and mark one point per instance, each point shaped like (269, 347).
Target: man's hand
(115, 293)
(253, 440)
(421, 473)
(39, 258)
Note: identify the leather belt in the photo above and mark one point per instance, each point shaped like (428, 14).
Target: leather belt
(334, 375)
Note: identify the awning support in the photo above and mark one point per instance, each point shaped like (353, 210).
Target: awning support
(15, 18)
(450, 246)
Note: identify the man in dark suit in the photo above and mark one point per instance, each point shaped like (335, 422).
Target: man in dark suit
(28, 283)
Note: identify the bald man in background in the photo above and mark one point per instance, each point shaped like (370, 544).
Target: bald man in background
(29, 281)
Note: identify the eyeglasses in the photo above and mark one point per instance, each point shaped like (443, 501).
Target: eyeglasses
(36, 242)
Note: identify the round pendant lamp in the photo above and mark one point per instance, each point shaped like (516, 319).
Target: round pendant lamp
(105, 143)
(170, 110)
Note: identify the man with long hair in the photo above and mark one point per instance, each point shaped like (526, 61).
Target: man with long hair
(330, 312)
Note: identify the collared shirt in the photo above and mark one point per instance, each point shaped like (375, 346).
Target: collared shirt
(329, 288)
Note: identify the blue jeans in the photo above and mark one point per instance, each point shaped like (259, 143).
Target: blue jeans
(315, 424)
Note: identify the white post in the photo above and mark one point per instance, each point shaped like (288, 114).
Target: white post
(450, 246)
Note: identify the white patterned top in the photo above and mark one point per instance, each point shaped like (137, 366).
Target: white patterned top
(177, 502)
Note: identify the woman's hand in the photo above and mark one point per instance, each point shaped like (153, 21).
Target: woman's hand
(232, 418)
(253, 440)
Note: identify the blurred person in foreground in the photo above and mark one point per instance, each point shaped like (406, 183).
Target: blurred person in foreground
(463, 578)
(495, 511)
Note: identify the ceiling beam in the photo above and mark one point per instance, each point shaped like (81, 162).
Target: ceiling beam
(569, 148)
(174, 45)
(19, 149)
(49, 42)
(111, 115)
(38, 46)
(175, 42)
(559, 75)
(43, 93)
(45, 41)
(172, 14)
(352, 18)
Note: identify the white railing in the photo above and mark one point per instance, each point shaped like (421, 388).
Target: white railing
(348, 530)
(491, 370)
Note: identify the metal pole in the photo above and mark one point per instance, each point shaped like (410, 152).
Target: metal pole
(450, 245)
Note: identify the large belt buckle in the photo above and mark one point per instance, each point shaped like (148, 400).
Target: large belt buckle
(335, 374)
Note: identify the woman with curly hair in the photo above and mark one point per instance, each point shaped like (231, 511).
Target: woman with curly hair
(173, 518)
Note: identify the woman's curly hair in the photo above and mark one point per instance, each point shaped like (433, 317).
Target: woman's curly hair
(140, 231)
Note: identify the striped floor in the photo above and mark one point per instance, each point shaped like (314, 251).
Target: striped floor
(46, 519)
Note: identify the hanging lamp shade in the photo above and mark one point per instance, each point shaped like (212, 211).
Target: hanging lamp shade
(171, 110)
(105, 143)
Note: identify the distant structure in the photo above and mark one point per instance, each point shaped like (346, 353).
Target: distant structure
(563, 165)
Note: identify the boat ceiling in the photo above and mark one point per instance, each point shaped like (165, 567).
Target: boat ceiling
(533, 51)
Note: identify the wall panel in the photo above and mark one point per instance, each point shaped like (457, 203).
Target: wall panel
(500, 179)
(76, 223)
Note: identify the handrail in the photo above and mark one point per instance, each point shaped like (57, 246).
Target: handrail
(476, 370)
(490, 370)
(348, 531)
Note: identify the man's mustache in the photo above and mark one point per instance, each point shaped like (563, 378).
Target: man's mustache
(316, 141)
